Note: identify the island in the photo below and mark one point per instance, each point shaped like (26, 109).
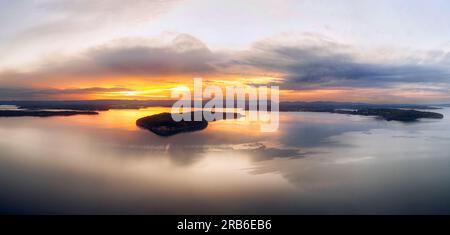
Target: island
(163, 124)
(43, 113)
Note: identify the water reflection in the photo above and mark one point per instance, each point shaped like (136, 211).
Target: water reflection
(315, 163)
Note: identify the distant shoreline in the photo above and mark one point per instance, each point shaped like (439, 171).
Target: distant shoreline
(389, 112)
(104, 105)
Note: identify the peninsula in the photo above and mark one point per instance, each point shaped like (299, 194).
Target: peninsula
(388, 112)
(403, 115)
(42, 113)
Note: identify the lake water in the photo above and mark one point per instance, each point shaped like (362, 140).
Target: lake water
(316, 163)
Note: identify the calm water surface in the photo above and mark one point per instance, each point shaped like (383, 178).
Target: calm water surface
(316, 163)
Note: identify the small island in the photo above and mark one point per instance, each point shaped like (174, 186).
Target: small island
(163, 124)
(43, 113)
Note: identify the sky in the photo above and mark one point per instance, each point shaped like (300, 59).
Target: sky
(386, 51)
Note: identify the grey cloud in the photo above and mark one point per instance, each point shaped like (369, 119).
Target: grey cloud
(182, 56)
(186, 56)
(328, 64)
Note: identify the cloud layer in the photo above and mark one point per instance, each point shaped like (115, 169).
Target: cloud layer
(301, 62)
(316, 62)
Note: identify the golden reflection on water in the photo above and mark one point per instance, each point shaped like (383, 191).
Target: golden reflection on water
(125, 119)
(115, 118)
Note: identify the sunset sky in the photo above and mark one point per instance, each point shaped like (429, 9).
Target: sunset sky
(355, 50)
